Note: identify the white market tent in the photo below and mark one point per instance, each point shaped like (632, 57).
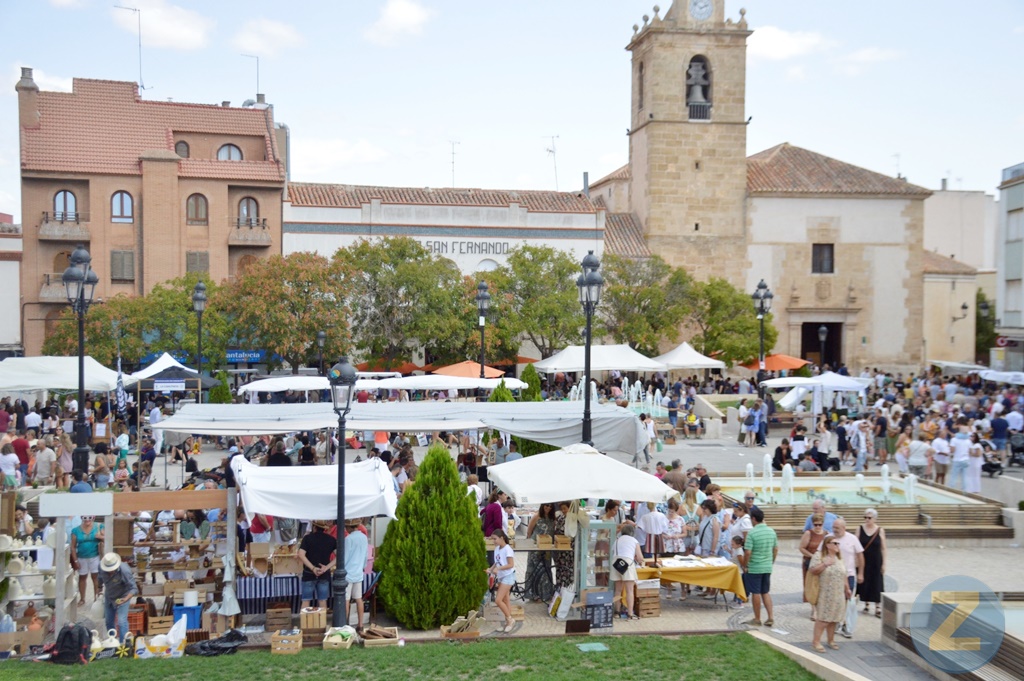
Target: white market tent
(428, 382)
(559, 424)
(958, 367)
(162, 363)
(1008, 377)
(312, 491)
(576, 472)
(54, 373)
(821, 387)
(602, 358)
(685, 357)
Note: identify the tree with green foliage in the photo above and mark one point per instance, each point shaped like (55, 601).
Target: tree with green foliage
(220, 394)
(645, 301)
(985, 326)
(500, 340)
(400, 296)
(531, 378)
(537, 287)
(120, 316)
(171, 324)
(281, 302)
(501, 393)
(432, 561)
(724, 319)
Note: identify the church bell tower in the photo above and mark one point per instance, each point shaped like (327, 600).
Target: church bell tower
(688, 138)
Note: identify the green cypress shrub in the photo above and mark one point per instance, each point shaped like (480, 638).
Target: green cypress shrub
(530, 377)
(432, 561)
(220, 394)
(501, 393)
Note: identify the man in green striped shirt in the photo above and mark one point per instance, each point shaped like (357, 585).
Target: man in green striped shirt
(761, 547)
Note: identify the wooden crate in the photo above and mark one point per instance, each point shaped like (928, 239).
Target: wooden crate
(648, 610)
(313, 618)
(313, 637)
(278, 618)
(286, 642)
(160, 624)
(654, 594)
(380, 642)
(197, 635)
(335, 642)
(137, 620)
(447, 633)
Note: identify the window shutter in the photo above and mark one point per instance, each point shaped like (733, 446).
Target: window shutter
(197, 261)
(122, 266)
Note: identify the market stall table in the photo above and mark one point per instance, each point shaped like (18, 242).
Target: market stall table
(726, 577)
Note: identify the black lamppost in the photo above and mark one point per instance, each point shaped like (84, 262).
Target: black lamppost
(343, 382)
(321, 339)
(483, 304)
(822, 336)
(762, 298)
(199, 305)
(589, 284)
(80, 284)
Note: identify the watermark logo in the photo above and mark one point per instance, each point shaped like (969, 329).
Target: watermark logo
(957, 624)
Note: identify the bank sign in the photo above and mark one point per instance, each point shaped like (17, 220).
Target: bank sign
(246, 356)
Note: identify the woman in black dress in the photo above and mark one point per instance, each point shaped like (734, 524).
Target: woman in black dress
(872, 538)
(543, 522)
(564, 572)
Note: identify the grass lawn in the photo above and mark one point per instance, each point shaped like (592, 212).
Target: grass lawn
(714, 658)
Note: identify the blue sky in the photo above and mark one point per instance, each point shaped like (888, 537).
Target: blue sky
(375, 91)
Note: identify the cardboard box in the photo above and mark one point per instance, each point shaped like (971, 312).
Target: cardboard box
(13, 642)
(313, 618)
(286, 642)
(648, 584)
(259, 550)
(34, 637)
(288, 564)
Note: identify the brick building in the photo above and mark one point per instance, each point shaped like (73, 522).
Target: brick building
(152, 189)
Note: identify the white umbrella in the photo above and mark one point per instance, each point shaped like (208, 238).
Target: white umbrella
(577, 472)
(685, 357)
(602, 358)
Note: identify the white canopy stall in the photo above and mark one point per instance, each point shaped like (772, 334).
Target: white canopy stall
(821, 387)
(602, 358)
(311, 492)
(685, 357)
(1008, 377)
(54, 373)
(576, 472)
(428, 382)
(555, 423)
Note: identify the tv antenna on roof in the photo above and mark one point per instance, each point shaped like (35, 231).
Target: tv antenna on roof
(138, 15)
(453, 143)
(253, 56)
(554, 158)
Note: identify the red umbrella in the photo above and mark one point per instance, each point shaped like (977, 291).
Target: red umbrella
(778, 363)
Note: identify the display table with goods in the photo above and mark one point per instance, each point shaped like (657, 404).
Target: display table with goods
(713, 573)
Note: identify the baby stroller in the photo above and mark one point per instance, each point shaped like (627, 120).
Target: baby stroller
(1016, 449)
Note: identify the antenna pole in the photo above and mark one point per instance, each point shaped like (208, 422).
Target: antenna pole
(453, 143)
(253, 56)
(138, 16)
(554, 158)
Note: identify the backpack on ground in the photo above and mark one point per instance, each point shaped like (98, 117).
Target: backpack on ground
(73, 644)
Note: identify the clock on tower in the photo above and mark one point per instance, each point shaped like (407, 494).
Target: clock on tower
(701, 9)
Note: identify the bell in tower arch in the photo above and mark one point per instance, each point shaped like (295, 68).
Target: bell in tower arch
(696, 81)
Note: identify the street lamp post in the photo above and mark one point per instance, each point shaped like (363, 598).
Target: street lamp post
(762, 298)
(199, 305)
(321, 339)
(343, 380)
(589, 284)
(483, 304)
(80, 284)
(822, 336)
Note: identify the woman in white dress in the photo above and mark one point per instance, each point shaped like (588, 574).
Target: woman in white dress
(972, 481)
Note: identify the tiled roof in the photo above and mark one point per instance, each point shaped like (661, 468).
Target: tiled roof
(935, 263)
(620, 174)
(103, 126)
(624, 236)
(785, 169)
(354, 196)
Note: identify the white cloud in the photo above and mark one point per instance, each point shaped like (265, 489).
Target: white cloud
(1018, 30)
(327, 159)
(796, 72)
(44, 80)
(398, 18)
(165, 25)
(855, 63)
(776, 44)
(267, 37)
(67, 3)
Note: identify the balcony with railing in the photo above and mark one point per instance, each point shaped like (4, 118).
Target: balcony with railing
(700, 112)
(249, 232)
(52, 289)
(64, 226)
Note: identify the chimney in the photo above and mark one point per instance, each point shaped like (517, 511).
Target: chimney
(944, 182)
(28, 99)
(586, 184)
(225, 103)
(261, 98)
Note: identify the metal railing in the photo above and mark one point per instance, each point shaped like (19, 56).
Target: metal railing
(63, 216)
(700, 112)
(251, 223)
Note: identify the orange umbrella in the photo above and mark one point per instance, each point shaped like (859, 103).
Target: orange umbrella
(469, 369)
(778, 363)
(379, 365)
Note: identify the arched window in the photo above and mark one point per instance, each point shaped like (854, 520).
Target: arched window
(640, 87)
(248, 212)
(196, 210)
(181, 149)
(229, 152)
(65, 206)
(121, 207)
(698, 89)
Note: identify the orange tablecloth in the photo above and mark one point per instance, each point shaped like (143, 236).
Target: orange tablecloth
(727, 577)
